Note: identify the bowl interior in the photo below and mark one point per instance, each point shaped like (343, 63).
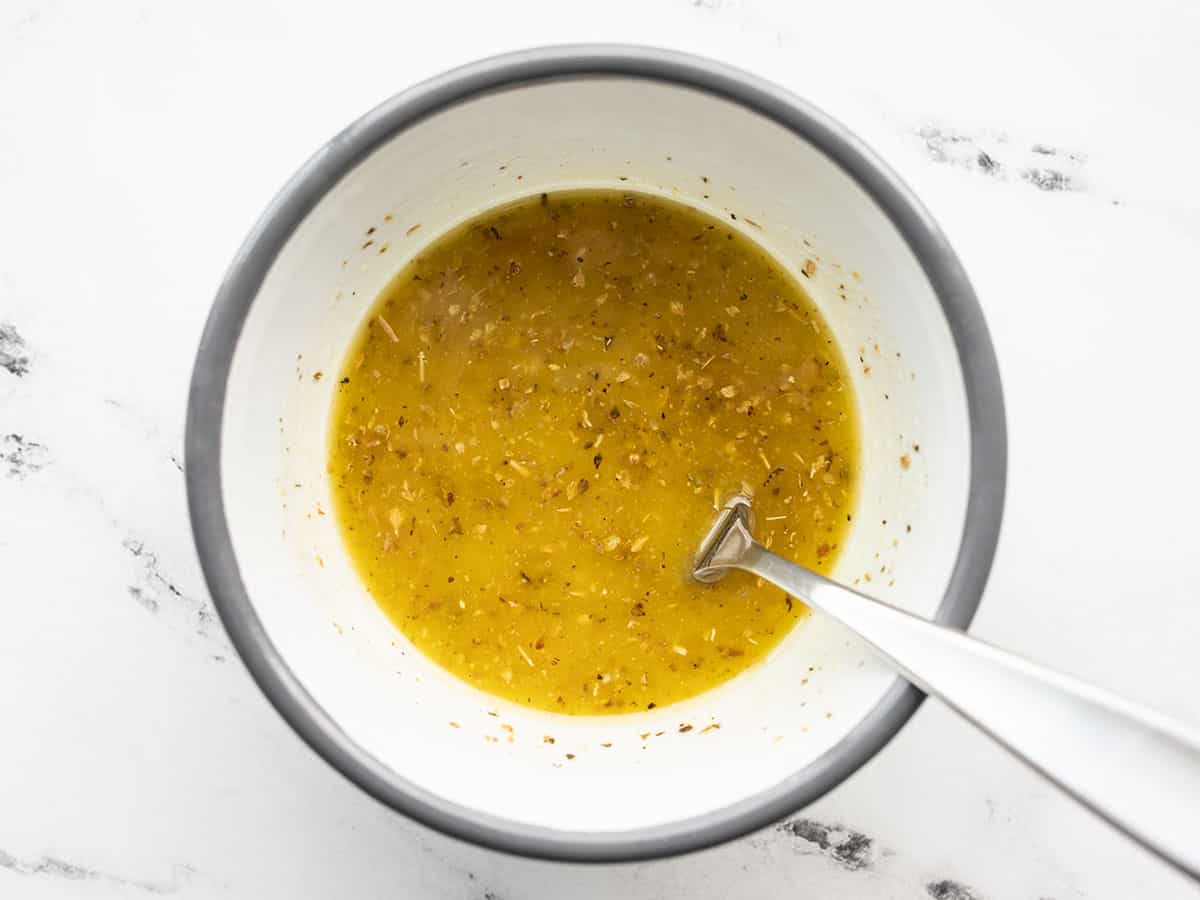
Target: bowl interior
(618, 773)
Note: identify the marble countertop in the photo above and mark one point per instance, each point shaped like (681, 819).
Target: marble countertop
(1057, 145)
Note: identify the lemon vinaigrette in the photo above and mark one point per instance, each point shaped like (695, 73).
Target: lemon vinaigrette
(536, 421)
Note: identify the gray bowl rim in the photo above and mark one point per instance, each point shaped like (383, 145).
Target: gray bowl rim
(980, 372)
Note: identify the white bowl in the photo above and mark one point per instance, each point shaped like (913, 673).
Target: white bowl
(352, 685)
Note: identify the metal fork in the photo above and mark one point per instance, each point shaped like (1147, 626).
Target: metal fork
(1134, 767)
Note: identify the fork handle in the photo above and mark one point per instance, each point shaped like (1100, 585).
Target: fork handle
(1132, 766)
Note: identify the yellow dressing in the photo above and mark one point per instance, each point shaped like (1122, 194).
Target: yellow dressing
(534, 427)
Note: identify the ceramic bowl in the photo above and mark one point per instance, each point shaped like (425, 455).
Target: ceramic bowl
(618, 787)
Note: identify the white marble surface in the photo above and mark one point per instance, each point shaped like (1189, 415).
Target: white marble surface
(139, 140)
